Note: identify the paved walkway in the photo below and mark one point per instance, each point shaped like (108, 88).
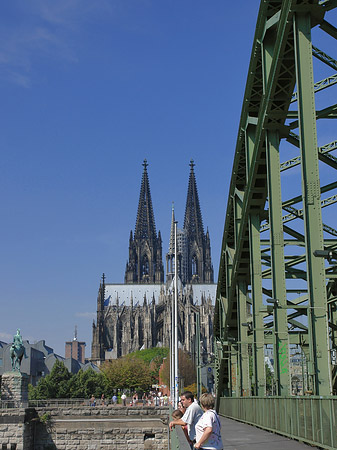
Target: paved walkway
(240, 436)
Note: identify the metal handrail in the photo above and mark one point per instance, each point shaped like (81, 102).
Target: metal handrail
(311, 419)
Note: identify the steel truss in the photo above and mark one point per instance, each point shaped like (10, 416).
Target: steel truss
(277, 279)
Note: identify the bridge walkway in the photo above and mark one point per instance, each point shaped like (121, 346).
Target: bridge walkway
(240, 436)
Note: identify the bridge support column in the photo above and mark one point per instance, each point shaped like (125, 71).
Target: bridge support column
(243, 338)
(258, 325)
(281, 339)
(319, 364)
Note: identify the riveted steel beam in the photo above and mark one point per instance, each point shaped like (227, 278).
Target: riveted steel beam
(318, 324)
(265, 265)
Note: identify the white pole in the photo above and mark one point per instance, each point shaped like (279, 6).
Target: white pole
(172, 356)
(176, 372)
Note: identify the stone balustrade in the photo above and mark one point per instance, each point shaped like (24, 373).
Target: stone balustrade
(84, 427)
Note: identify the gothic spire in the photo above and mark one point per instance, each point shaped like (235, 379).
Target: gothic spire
(193, 219)
(145, 224)
(172, 240)
(199, 267)
(145, 247)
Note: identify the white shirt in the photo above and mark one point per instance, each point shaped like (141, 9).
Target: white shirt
(209, 419)
(191, 417)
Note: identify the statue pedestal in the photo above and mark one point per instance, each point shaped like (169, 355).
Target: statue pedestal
(14, 389)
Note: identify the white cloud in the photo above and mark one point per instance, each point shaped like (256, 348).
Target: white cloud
(71, 13)
(20, 47)
(6, 337)
(44, 29)
(86, 315)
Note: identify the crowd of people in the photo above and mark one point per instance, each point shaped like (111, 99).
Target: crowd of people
(151, 398)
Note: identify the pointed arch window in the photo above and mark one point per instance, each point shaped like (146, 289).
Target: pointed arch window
(145, 266)
(194, 265)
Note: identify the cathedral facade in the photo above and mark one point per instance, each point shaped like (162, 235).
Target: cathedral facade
(137, 314)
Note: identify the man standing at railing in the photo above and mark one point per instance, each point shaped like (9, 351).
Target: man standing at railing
(190, 418)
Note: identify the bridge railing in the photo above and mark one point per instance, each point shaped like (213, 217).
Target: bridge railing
(64, 402)
(308, 419)
(61, 402)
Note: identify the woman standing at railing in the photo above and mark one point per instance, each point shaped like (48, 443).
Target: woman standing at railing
(208, 428)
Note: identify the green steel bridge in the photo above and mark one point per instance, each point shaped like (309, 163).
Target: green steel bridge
(275, 323)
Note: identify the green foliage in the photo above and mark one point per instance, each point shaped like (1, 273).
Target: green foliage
(31, 392)
(269, 380)
(62, 384)
(127, 373)
(88, 383)
(187, 369)
(138, 370)
(194, 389)
(54, 385)
(150, 354)
(45, 418)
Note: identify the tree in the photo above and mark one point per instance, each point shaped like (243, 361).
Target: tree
(153, 357)
(269, 380)
(54, 385)
(187, 369)
(127, 373)
(194, 389)
(88, 383)
(62, 384)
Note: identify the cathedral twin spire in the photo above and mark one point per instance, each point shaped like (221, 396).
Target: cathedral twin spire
(193, 219)
(145, 224)
(145, 248)
(199, 265)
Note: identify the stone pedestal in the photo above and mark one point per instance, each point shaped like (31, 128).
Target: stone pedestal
(14, 389)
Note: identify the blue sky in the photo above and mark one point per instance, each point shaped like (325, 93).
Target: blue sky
(88, 90)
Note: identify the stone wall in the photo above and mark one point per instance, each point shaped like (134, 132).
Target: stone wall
(82, 428)
(16, 429)
(14, 388)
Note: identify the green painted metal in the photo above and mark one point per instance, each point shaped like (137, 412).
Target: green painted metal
(320, 85)
(309, 419)
(281, 339)
(173, 437)
(275, 296)
(324, 57)
(243, 362)
(258, 326)
(320, 370)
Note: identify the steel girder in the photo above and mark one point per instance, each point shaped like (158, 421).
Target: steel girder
(275, 288)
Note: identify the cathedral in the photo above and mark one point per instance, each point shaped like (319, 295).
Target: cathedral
(136, 314)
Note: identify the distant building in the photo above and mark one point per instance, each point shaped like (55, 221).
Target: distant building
(38, 361)
(75, 349)
(137, 314)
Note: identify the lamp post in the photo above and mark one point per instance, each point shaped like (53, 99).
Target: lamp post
(176, 372)
(172, 356)
(197, 323)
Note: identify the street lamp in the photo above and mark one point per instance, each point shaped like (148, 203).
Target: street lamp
(273, 301)
(248, 325)
(330, 255)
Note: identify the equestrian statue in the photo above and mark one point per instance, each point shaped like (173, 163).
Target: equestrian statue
(17, 351)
